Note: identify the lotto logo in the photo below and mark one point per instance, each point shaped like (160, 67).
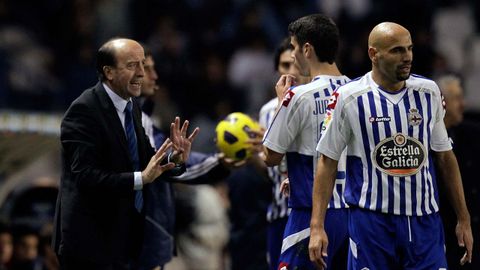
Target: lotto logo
(283, 266)
(333, 101)
(288, 96)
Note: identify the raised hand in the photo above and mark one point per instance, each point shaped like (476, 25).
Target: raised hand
(283, 84)
(182, 144)
(255, 140)
(154, 168)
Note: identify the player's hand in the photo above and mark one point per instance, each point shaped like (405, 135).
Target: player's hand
(230, 163)
(285, 188)
(283, 84)
(255, 141)
(182, 144)
(154, 168)
(317, 247)
(463, 231)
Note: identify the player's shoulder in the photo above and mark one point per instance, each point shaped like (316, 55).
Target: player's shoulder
(353, 86)
(422, 83)
(319, 83)
(270, 105)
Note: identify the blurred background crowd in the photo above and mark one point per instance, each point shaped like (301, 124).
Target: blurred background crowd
(212, 57)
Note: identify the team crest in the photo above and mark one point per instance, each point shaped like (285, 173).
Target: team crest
(414, 117)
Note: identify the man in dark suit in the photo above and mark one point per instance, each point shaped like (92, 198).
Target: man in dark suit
(109, 167)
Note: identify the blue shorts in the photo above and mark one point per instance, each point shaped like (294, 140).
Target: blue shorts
(275, 232)
(381, 241)
(297, 235)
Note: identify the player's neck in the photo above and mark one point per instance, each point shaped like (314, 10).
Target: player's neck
(324, 68)
(384, 83)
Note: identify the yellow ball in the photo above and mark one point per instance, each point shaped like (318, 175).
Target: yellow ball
(232, 134)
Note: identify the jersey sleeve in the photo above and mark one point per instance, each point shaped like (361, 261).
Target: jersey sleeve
(440, 141)
(287, 123)
(335, 129)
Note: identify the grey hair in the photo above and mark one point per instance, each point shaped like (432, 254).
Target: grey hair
(445, 80)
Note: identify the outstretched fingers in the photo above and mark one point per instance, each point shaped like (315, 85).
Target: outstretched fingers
(194, 134)
(162, 151)
(183, 131)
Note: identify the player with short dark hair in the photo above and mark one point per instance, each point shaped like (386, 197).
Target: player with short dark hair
(295, 131)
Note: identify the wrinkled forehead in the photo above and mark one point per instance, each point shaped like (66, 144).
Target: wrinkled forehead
(394, 39)
(129, 52)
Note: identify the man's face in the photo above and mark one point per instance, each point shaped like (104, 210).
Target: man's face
(455, 103)
(27, 248)
(299, 58)
(285, 62)
(6, 247)
(395, 58)
(127, 76)
(150, 79)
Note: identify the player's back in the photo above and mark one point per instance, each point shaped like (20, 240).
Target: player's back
(296, 131)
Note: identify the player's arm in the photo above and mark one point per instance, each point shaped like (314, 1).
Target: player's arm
(322, 192)
(450, 173)
(271, 157)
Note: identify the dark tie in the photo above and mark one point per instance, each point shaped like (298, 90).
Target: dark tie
(132, 148)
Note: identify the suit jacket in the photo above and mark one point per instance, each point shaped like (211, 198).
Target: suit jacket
(95, 217)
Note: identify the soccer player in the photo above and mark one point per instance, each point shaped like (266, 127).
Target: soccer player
(295, 131)
(391, 123)
(277, 213)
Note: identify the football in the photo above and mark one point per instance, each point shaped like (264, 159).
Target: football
(232, 134)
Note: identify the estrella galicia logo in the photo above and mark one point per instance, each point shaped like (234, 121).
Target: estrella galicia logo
(399, 155)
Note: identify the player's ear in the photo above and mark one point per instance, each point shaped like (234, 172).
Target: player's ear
(372, 54)
(307, 49)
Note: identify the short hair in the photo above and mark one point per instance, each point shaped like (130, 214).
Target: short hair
(321, 32)
(284, 46)
(105, 57)
(146, 49)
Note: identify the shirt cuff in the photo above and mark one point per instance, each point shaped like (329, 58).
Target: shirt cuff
(137, 181)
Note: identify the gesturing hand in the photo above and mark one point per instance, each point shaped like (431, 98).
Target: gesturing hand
(181, 143)
(154, 168)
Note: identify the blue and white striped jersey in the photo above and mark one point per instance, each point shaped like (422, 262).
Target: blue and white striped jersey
(278, 208)
(295, 130)
(388, 138)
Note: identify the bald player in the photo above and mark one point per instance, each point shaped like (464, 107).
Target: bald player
(391, 122)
